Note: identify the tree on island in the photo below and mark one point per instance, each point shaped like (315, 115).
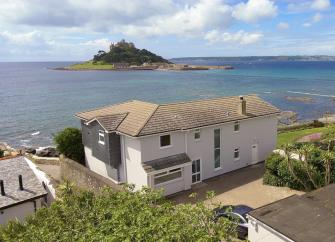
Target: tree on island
(126, 52)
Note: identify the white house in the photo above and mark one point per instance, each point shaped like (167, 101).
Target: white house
(305, 218)
(21, 194)
(173, 146)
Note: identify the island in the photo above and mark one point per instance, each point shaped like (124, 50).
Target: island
(124, 56)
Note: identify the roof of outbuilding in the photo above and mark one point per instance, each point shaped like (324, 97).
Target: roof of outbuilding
(309, 217)
(10, 169)
(147, 118)
(166, 162)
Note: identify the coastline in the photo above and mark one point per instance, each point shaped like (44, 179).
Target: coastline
(166, 67)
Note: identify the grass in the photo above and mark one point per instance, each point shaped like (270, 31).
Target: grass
(292, 136)
(89, 65)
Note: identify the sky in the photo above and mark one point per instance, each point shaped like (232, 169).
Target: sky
(74, 30)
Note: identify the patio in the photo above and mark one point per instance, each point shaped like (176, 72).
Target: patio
(244, 186)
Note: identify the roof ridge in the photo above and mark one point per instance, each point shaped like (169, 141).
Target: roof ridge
(110, 105)
(147, 120)
(206, 99)
(108, 115)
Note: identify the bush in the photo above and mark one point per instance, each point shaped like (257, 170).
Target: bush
(2, 153)
(69, 143)
(119, 216)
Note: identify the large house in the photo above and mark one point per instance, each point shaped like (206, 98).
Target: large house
(175, 145)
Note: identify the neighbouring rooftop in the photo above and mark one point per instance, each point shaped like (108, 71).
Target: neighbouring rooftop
(138, 118)
(10, 169)
(308, 218)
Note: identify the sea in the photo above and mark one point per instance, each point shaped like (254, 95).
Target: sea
(36, 101)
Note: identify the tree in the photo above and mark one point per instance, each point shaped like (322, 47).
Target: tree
(123, 215)
(69, 143)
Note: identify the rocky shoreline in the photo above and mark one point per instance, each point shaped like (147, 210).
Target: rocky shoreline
(165, 67)
(8, 151)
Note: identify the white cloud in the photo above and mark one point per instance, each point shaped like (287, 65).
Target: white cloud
(283, 25)
(21, 38)
(302, 6)
(254, 10)
(191, 20)
(315, 19)
(320, 4)
(130, 17)
(101, 44)
(240, 37)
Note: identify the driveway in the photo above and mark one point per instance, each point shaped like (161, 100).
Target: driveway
(243, 186)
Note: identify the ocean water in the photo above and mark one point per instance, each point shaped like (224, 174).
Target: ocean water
(36, 101)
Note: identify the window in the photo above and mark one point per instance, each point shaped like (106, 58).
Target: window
(237, 154)
(237, 126)
(167, 176)
(101, 137)
(165, 140)
(197, 134)
(217, 149)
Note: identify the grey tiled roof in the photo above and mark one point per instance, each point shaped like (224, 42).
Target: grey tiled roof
(166, 162)
(308, 218)
(10, 169)
(111, 122)
(137, 118)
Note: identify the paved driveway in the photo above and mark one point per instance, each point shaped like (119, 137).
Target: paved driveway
(244, 186)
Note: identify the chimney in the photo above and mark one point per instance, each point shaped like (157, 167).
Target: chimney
(2, 188)
(20, 183)
(242, 106)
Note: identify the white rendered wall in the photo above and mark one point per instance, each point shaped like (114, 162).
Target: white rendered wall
(19, 211)
(97, 165)
(261, 131)
(258, 232)
(133, 163)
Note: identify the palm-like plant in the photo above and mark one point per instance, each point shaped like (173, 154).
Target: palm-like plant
(329, 136)
(305, 158)
(288, 152)
(327, 158)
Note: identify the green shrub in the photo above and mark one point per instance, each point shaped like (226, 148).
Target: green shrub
(119, 216)
(270, 179)
(272, 162)
(2, 153)
(69, 143)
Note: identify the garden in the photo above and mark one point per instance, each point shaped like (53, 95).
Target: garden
(305, 165)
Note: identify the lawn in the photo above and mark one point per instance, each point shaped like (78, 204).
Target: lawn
(89, 65)
(292, 136)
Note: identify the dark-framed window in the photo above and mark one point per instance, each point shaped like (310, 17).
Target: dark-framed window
(165, 140)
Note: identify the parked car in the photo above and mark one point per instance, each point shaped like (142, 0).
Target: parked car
(237, 214)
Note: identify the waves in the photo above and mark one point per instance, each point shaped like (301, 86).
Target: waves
(36, 133)
(312, 94)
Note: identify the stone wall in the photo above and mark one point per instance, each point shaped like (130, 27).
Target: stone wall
(83, 177)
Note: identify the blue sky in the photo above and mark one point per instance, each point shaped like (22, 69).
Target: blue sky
(55, 30)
